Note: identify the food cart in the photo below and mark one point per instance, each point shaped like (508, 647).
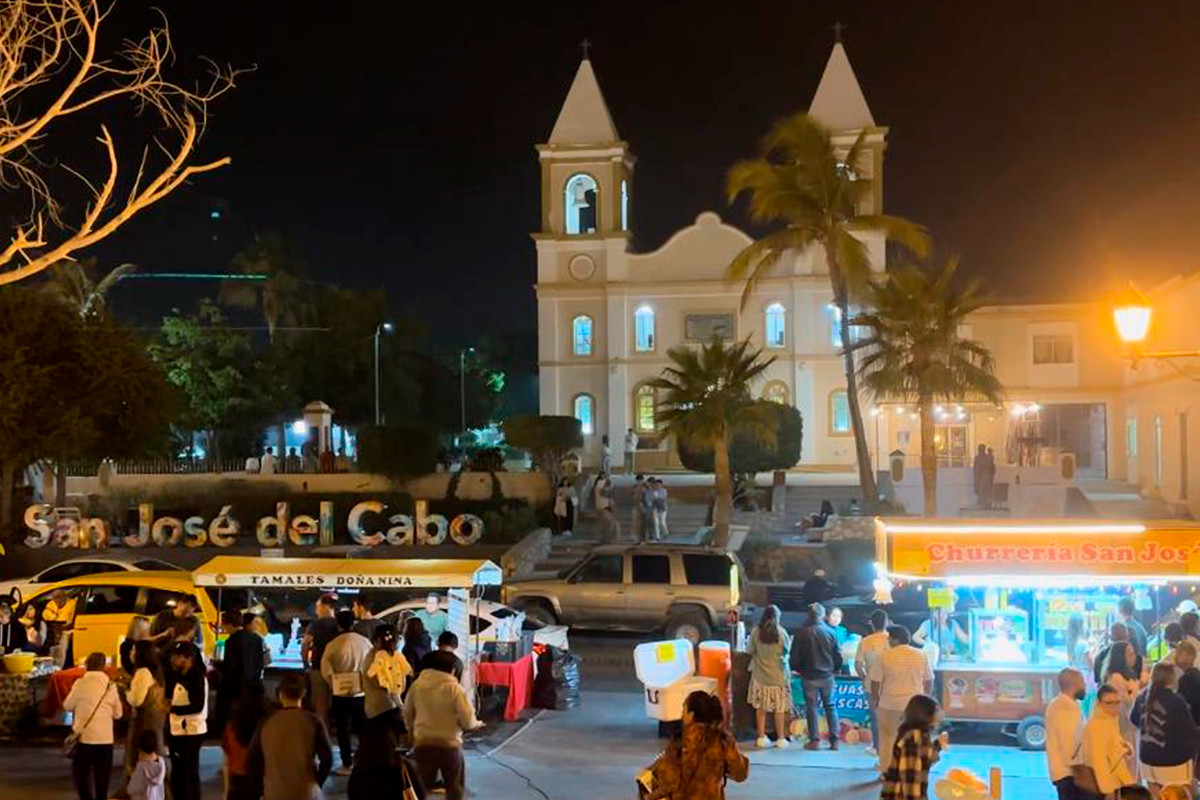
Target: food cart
(459, 576)
(1031, 596)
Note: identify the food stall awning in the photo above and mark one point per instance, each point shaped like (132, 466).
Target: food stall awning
(1037, 552)
(345, 573)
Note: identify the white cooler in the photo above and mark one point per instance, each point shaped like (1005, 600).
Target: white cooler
(667, 672)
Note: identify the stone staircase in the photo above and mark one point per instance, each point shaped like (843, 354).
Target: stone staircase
(1120, 500)
(805, 500)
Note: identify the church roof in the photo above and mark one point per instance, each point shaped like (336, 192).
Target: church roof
(584, 118)
(839, 103)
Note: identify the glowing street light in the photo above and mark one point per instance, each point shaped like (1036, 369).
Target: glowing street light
(383, 327)
(1133, 322)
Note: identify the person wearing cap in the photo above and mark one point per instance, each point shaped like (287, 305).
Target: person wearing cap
(13, 638)
(433, 618)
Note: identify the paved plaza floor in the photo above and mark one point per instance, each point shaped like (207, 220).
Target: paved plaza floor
(593, 753)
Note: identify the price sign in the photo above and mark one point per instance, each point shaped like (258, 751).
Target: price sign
(940, 597)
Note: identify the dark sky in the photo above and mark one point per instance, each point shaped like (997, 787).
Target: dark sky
(1053, 145)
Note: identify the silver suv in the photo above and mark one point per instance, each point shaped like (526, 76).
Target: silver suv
(685, 590)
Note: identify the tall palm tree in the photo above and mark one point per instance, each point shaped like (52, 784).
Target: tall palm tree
(702, 396)
(279, 292)
(70, 281)
(804, 181)
(916, 354)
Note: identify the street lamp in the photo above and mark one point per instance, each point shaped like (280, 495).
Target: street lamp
(1132, 317)
(383, 327)
(462, 387)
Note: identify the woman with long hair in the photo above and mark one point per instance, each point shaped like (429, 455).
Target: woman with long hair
(147, 700)
(1121, 673)
(241, 782)
(915, 751)
(696, 765)
(416, 642)
(770, 678)
(137, 630)
(1078, 646)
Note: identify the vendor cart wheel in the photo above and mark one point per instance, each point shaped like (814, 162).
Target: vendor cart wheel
(690, 625)
(1031, 733)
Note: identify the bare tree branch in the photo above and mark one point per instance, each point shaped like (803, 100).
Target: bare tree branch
(47, 42)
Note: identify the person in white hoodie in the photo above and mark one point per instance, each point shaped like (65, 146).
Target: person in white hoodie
(342, 667)
(95, 703)
(436, 712)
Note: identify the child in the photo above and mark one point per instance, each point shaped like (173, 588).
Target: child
(148, 781)
(914, 752)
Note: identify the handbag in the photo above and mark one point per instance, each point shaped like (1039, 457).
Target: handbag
(407, 790)
(1083, 776)
(70, 745)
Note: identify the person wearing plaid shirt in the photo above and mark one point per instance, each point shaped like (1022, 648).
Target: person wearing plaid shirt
(915, 752)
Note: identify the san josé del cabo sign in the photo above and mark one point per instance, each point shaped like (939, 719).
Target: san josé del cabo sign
(69, 529)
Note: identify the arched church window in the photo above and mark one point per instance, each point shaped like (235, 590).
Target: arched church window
(581, 204)
(585, 412)
(624, 205)
(839, 413)
(581, 335)
(776, 324)
(644, 401)
(643, 329)
(777, 392)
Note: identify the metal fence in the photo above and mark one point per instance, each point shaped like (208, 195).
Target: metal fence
(160, 466)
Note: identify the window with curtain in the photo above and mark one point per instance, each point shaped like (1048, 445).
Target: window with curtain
(585, 412)
(581, 334)
(643, 329)
(839, 412)
(643, 409)
(776, 325)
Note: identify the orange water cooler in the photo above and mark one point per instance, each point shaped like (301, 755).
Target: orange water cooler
(716, 661)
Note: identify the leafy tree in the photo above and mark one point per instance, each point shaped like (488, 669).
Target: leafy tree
(208, 363)
(804, 181)
(548, 439)
(70, 282)
(71, 391)
(704, 398)
(749, 453)
(916, 354)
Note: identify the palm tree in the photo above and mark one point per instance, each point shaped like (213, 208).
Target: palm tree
(804, 181)
(703, 395)
(69, 280)
(274, 268)
(916, 354)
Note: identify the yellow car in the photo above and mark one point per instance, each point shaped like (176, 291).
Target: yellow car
(105, 604)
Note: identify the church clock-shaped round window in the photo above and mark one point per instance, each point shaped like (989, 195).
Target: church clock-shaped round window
(581, 267)
(581, 205)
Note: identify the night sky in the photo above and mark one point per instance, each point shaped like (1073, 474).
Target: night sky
(1044, 142)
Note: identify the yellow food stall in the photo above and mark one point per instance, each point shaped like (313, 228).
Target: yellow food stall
(1012, 602)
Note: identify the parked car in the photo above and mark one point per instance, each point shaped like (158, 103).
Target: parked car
(484, 616)
(687, 591)
(131, 561)
(105, 603)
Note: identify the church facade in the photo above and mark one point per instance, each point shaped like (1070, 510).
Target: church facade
(607, 317)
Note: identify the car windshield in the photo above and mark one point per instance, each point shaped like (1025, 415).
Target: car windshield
(154, 565)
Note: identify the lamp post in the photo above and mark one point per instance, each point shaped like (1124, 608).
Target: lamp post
(1132, 318)
(383, 327)
(462, 388)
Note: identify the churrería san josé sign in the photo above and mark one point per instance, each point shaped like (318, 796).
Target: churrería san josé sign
(368, 524)
(1063, 547)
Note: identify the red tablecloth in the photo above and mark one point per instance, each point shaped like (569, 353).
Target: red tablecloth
(60, 686)
(516, 675)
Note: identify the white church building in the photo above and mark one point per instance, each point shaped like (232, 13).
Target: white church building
(608, 316)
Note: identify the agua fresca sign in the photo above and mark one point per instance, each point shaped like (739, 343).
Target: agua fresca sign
(48, 526)
(1119, 550)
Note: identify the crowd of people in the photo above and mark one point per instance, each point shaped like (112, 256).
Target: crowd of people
(308, 460)
(648, 513)
(1143, 730)
(376, 685)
